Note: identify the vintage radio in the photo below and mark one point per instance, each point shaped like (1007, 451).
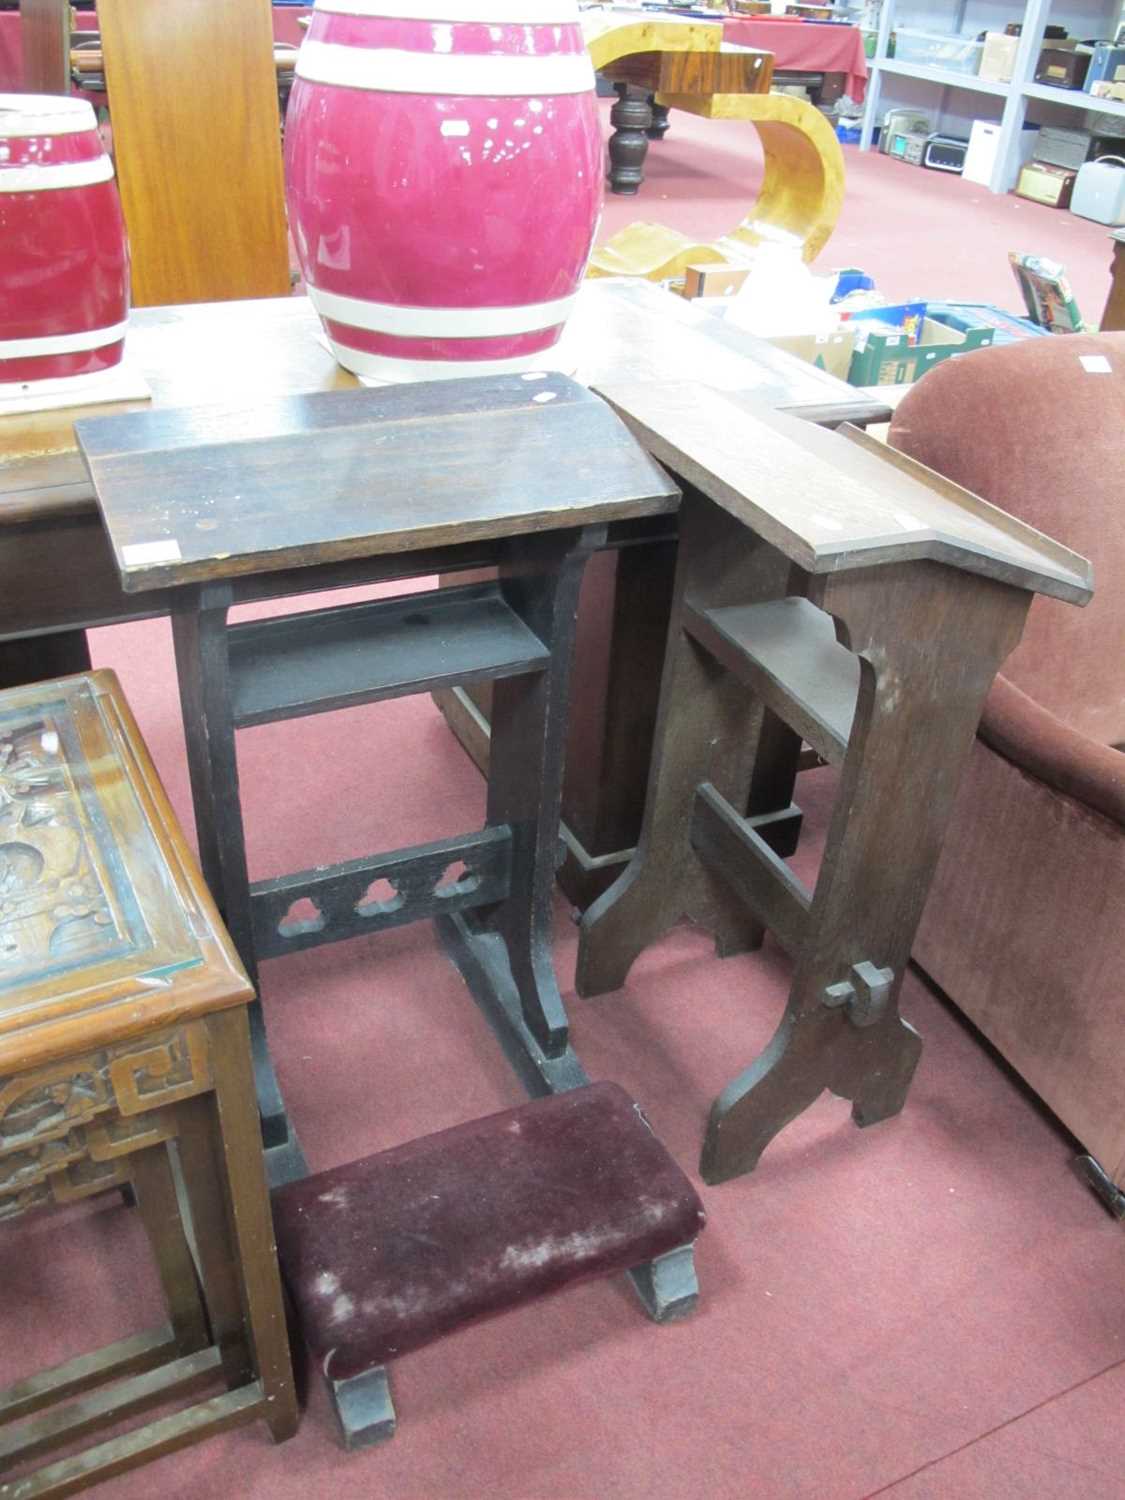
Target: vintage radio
(1062, 148)
(1042, 182)
(1062, 67)
(902, 122)
(1099, 191)
(945, 153)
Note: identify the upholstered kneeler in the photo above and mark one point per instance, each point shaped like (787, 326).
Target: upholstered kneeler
(385, 1254)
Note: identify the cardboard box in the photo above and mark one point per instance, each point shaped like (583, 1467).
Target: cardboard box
(998, 60)
(719, 279)
(827, 351)
(887, 357)
(1107, 65)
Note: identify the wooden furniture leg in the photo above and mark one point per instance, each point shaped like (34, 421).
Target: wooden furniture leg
(508, 956)
(929, 641)
(660, 121)
(701, 708)
(199, 632)
(159, 1210)
(1113, 316)
(631, 118)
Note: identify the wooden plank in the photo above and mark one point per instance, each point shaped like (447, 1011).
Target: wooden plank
(787, 653)
(117, 1456)
(203, 202)
(142, 1351)
(391, 470)
(45, 42)
(107, 1406)
(325, 659)
(831, 502)
(742, 857)
(337, 892)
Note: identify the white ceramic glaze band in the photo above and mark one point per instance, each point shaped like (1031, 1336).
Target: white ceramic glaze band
(36, 178)
(440, 322)
(62, 343)
(390, 70)
(516, 12)
(37, 114)
(385, 367)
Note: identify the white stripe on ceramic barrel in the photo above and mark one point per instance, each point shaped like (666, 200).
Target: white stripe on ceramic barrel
(390, 70)
(514, 12)
(44, 114)
(62, 343)
(386, 367)
(440, 322)
(49, 176)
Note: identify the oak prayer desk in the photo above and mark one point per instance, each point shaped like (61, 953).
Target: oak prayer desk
(59, 575)
(833, 592)
(123, 1037)
(519, 473)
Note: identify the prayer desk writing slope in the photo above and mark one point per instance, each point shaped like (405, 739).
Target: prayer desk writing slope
(123, 1037)
(834, 593)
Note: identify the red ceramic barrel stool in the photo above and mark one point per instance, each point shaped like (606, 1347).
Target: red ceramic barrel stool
(64, 268)
(444, 176)
(386, 1254)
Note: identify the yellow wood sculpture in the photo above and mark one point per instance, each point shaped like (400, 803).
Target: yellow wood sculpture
(803, 186)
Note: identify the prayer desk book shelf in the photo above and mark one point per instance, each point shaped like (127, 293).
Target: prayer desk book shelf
(833, 593)
(123, 1040)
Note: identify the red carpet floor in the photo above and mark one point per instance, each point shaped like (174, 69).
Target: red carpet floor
(930, 1309)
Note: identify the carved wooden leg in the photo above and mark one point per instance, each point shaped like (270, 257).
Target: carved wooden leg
(199, 631)
(630, 117)
(706, 729)
(659, 127)
(930, 640)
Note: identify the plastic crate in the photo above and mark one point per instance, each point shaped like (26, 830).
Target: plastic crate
(956, 54)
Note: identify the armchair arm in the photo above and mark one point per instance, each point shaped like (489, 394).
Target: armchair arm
(1037, 742)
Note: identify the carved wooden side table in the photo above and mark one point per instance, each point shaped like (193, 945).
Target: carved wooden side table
(520, 473)
(829, 591)
(123, 1037)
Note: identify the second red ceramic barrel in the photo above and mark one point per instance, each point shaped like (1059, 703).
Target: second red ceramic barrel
(444, 172)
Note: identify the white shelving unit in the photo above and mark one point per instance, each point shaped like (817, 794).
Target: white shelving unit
(1015, 95)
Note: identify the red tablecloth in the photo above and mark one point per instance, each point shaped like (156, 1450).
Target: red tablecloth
(805, 47)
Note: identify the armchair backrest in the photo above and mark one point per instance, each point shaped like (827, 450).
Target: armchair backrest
(1038, 428)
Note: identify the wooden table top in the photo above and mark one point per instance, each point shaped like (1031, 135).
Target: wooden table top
(270, 349)
(836, 500)
(193, 493)
(107, 930)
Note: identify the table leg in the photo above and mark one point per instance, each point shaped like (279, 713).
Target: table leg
(630, 117)
(660, 121)
(540, 580)
(160, 1213)
(199, 631)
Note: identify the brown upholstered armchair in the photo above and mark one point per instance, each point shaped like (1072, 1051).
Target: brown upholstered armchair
(1025, 926)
